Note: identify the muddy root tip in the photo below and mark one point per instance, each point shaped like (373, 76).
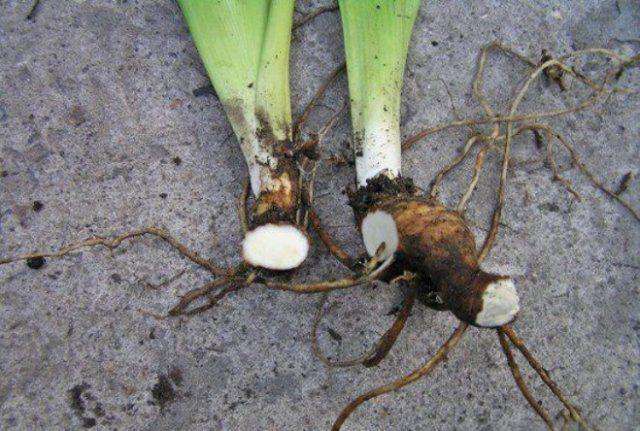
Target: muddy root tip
(277, 247)
(500, 303)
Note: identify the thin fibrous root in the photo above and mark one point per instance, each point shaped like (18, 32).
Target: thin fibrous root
(316, 98)
(326, 286)
(624, 183)
(308, 149)
(550, 134)
(481, 156)
(566, 420)
(497, 213)
(337, 251)
(477, 170)
(554, 165)
(242, 206)
(410, 378)
(312, 15)
(389, 338)
(308, 167)
(599, 93)
(213, 300)
(597, 183)
(164, 283)
(200, 292)
(409, 142)
(435, 185)
(575, 159)
(115, 242)
(317, 350)
(482, 60)
(234, 284)
(379, 351)
(517, 376)
(544, 375)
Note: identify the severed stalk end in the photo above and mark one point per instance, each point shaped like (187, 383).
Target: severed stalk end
(500, 303)
(277, 247)
(378, 227)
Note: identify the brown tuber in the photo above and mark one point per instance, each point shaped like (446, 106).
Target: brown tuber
(436, 243)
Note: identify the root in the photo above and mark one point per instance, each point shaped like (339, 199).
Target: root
(312, 15)
(600, 91)
(115, 243)
(195, 294)
(231, 284)
(234, 282)
(575, 159)
(243, 213)
(211, 300)
(367, 276)
(410, 378)
(497, 212)
(624, 184)
(597, 183)
(308, 167)
(544, 375)
(337, 251)
(389, 338)
(33, 11)
(299, 124)
(379, 351)
(435, 185)
(164, 283)
(517, 376)
(482, 61)
(554, 166)
(317, 350)
(308, 149)
(477, 170)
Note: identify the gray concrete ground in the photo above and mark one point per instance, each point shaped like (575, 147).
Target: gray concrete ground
(96, 104)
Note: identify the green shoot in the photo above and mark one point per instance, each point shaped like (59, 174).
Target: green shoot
(376, 37)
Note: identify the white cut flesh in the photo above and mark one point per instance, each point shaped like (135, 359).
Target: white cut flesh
(500, 304)
(379, 227)
(275, 246)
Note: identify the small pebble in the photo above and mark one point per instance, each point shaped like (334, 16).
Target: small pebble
(37, 206)
(36, 262)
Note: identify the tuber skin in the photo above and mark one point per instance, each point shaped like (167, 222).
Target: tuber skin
(434, 242)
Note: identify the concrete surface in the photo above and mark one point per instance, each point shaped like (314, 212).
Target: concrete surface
(96, 102)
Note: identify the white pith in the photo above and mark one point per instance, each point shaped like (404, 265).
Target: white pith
(275, 246)
(380, 152)
(500, 304)
(379, 227)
